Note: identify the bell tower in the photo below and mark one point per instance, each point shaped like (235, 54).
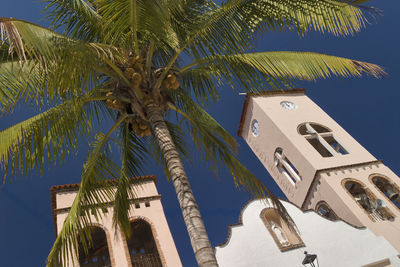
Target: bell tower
(318, 165)
(150, 243)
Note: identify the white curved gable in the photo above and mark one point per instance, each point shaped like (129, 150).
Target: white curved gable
(335, 243)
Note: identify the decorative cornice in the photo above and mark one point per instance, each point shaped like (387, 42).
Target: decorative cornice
(345, 167)
(136, 200)
(264, 93)
(74, 187)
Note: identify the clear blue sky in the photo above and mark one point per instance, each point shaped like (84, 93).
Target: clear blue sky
(367, 108)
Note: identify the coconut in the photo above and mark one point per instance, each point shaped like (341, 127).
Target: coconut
(129, 72)
(171, 78)
(175, 85)
(166, 84)
(143, 126)
(135, 127)
(147, 132)
(138, 66)
(136, 79)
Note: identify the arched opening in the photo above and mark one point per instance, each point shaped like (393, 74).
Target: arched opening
(303, 129)
(286, 167)
(322, 139)
(98, 252)
(390, 190)
(324, 210)
(142, 246)
(283, 236)
(375, 208)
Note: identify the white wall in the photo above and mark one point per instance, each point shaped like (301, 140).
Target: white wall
(335, 243)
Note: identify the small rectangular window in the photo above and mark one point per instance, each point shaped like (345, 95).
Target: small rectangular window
(319, 147)
(137, 205)
(335, 145)
(147, 204)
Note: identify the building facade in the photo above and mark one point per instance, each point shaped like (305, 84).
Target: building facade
(261, 239)
(318, 165)
(150, 244)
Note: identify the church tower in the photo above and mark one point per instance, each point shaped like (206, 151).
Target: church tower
(150, 244)
(318, 165)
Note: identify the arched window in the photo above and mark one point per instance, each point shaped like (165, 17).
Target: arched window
(286, 167)
(322, 139)
(390, 190)
(141, 245)
(283, 236)
(375, 208)
(97, 254)
(324, 210)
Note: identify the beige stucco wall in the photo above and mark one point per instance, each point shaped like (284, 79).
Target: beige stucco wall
(154, 215)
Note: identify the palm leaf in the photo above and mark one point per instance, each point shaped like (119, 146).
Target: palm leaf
(79, 19)
(22, 81)
(68, 64)
(52, 134)
(96, 170)
(201, 83)
(264, 70)
(152, 22)
(133, 153)
(229, 28)
(207, 134)
(338, 17)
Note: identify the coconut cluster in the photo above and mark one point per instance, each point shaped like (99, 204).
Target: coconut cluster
(114, 104)
(171, 81)
(134, 71)
(122, 97)
(140, 126)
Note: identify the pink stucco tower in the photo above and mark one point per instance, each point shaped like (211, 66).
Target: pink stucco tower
(150, 244)
(318, 165)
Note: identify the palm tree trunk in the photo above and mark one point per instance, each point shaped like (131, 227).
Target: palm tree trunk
(203, 251)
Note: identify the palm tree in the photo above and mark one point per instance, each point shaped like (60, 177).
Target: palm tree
(150, 67)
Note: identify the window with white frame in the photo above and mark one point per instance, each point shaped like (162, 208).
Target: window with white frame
(322, 139)
(286, 167)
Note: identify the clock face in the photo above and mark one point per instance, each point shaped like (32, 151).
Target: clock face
(255, 128)
(288, 105)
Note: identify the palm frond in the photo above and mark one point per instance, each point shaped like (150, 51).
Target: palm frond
(79, 18)
(265, 70)
(22, 81)
(207, 134)
(338, 17)
(47, 137)
(229, 28)
(93, 194)
(68, 64)
(202, 83)
(152, 22)
(133, 153)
